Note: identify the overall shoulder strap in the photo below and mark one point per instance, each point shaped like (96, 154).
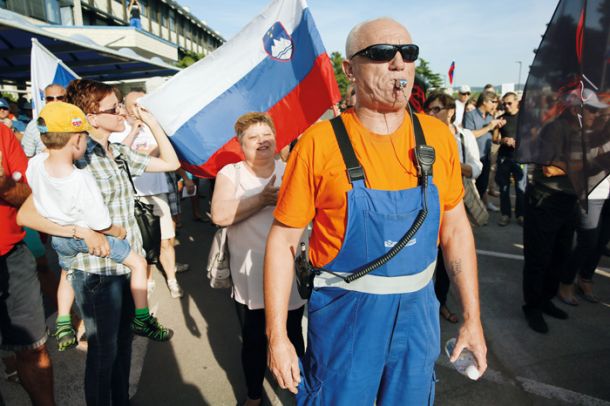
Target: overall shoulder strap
(354, 169)
(424, 154)
(420, 139)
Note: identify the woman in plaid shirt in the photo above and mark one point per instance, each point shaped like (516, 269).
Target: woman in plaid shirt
(101, 286)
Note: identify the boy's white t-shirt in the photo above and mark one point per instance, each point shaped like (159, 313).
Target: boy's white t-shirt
(75, 199)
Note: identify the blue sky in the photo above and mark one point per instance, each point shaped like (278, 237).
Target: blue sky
(484, 38)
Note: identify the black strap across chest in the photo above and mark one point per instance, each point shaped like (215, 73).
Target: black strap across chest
(354, 169)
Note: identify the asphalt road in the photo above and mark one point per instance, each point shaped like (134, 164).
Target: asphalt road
(201, 364)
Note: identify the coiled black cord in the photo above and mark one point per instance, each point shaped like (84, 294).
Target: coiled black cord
(419, 220)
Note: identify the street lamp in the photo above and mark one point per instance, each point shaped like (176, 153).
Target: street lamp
(519, 79)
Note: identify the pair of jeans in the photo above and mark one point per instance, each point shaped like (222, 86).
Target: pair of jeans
(254, 347)
(548, 229)
(505, 169)
(107, 308)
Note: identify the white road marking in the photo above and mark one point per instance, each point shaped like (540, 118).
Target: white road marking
(600, 271)
(536, 388)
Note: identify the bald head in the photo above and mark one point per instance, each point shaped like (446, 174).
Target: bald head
(54, 90)
(366, 33)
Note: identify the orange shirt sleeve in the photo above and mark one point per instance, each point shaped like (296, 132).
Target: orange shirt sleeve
(455, 187)
(296, 198)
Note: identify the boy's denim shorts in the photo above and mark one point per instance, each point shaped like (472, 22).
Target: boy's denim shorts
(68, 248)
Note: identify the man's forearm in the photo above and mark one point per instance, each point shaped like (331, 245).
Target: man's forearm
(278, 276)
(457, 243)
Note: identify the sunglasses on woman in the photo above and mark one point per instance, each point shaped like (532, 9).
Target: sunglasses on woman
(386, 52)
(435, 110)
(115, 111)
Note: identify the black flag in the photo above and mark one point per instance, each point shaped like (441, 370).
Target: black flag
(564, 116)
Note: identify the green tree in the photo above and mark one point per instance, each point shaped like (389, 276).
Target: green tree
(337, 59)
(188, 59)
(434, 79)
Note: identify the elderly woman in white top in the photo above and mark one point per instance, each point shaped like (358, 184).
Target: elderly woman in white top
(244, 197)
(442, 106)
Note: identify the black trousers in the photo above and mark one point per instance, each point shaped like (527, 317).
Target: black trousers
(441, 281)
(254, 344)
(548, 229)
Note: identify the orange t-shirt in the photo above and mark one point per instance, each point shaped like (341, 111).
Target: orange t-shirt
(315, 182)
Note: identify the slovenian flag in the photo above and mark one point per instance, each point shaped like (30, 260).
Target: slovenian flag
(277, 64)
(450, 73)
(46, 69)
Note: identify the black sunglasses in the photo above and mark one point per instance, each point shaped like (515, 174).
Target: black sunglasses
(435, 109)
(54, 98)
(386, 52)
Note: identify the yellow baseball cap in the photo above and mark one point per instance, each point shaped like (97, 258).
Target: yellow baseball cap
(60, 117)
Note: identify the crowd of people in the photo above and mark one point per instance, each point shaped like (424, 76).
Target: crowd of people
(74, 172)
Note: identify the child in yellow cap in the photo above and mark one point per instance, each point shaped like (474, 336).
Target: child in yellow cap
(67, 195)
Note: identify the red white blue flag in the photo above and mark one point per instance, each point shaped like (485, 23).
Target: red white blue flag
(450, 73)
(277, 64)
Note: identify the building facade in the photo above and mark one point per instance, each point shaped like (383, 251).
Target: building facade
(168, 30)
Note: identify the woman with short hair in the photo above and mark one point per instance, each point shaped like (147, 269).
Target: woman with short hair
(244, 198)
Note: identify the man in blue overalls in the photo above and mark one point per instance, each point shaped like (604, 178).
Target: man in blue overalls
(376, 338)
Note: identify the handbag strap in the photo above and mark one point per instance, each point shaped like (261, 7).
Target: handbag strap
(125, 165)
(462, 144)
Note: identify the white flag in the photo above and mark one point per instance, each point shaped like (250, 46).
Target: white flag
(46, 69)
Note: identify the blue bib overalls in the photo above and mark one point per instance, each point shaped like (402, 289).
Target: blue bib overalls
(376, 339)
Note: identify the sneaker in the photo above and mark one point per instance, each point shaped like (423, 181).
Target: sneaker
(535, 321)
(66, 337)
(174, 288)
(181, 267)
(492, 207)
(504, 221)
(520, 220)
(151, 328)
(553, 311)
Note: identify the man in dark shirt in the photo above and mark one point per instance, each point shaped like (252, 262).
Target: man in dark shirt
(507, 167)
(551, 211)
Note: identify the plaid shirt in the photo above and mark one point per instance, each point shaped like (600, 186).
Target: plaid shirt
(118, 196)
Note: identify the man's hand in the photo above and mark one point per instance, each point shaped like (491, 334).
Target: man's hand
(508, 141)
(96, 242)
(550, 171)
(1, 167)
(284, 363)
(471, 337)
(269, 193)
(189, 185)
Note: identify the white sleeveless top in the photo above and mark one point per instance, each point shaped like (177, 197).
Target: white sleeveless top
(248, 239)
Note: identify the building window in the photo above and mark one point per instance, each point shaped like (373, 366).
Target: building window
(163, 16)
(172, 20)
(144, 7)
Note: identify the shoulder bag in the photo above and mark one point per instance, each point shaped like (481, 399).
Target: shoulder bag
(218, 268)
(475, 208)
(148, 223)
